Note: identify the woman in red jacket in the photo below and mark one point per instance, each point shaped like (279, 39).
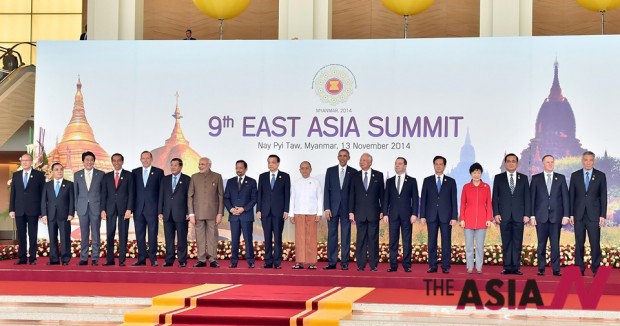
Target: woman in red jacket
(476, 216)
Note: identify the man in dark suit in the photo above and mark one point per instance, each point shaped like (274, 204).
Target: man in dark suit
(239, 200)
(25, 207)
(366, 199)
(117, 191)
(172, 209)
(57, 208)
(588, 209)
(87, 194)
(439, 211)
(511, 207)
(188, 35)
(272, 205)
(335, 203)
(550, 210)
(146, 181)
(401, 211)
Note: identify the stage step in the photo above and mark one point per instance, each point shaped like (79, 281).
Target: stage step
(66, 310)
(365, 314)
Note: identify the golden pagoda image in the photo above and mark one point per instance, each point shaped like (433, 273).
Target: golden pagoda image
(78, 138)
(176, 146)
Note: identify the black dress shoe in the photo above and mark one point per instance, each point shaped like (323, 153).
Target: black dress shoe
(251, 265)
(266, 266)
(445, 271)
(53, 263)
(82, 263)
(108, 263)
(505, 272)
(374, 269)
(34, 262)
(583, 273)
(122, 263)
(345, 267)
(277, 267)
(517, 272)
(182, 264)
(391, 270)
(593, 274)
(540, 273)
(408, 270)
(360, 269)
(432, 270)
(557, 273)
(168, 264)
(329, 267)
(139, 263)
(233, 265)
(65, 264)
(21, 262)
(200, 264)
(214, 264)
(95, 263)
(154, 264)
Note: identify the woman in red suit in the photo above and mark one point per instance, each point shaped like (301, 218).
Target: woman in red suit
(476, 216)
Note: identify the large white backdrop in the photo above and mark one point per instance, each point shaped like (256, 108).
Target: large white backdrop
(274, 96)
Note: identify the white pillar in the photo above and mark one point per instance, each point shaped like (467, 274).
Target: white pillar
(305, 20)
(115, 19)
(506, 17)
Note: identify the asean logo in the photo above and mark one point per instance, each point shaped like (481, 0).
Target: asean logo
(334, 84)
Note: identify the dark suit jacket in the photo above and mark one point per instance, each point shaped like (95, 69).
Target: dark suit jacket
(549, 207)
(26, 202)
(246, 198)
(594, 201)
(367, 204)
(117, 200)
(507, 205)
(146, 198)
(276, 201)
(58, 207)
(334, 198)
(173, 204)
(442, 204)
(406, 203)
(83, 37)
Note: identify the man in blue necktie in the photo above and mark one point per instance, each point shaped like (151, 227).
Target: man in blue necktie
(272, 206)
(172, 210)
(439, 211)
(588, 209)
(57, 208)
(25, 208)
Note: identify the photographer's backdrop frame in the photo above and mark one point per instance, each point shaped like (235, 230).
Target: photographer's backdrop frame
(468, 99)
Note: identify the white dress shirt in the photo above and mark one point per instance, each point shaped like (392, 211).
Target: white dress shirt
(306, 197)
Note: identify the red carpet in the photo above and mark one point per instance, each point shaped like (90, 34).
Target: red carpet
(284, 276)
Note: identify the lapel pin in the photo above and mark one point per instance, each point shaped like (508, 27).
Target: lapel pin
(279, 177)
(180, 181)
(81, 175)
(121, 178)
(63, 185)
(152, 173)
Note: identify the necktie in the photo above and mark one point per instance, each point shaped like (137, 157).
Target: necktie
(145, 176)
(57, 188)
(116, 180)
(239, 183)
(549, 183)
(273, 180)
(25, 179)
(587, 180)
(341, 177)
(366, 180)
(88, 180)
(438, 184)
(512, 184)
(398, 185)
(174, 182)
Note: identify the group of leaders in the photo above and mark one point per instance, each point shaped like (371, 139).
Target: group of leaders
(347, 196)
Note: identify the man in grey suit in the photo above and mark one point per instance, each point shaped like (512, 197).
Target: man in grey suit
(87, 189)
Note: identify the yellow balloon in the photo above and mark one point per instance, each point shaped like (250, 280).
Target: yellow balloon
(599, 5)
(407, 7)
(222, 9)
